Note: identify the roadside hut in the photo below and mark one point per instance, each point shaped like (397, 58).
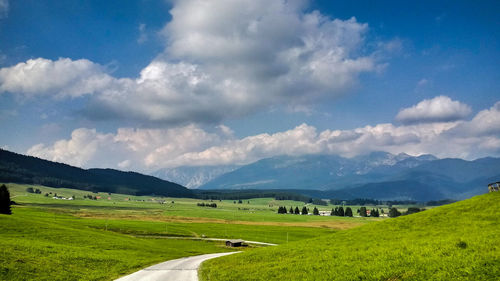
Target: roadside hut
(234, 243)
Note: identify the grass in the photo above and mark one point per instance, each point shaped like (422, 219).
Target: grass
(44, 246)
(453, 242)
(51, 239)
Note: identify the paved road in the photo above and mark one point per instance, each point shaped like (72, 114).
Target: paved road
(209, 239)
(184, 269)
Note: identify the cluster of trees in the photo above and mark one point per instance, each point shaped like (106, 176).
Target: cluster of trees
(248, 194)
(283, 210)
(31, 190)
(393, 212)
(339, 211)
(316, 201)
(89, 196)
(5, 200)
(440, 202)
(373, 212)
(366, 201)
(213, 205)
(296, 211)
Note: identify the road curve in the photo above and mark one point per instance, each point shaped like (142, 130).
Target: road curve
(183, 269)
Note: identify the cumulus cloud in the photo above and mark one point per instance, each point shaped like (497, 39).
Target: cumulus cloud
(60, 78)
(271, 54)
(438, 109)
(150, 149)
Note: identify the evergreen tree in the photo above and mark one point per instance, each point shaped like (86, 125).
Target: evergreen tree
(332, 213)
(341, 211)
(348, 212)
(393, 212)
(316, 211)
(374, 213)
(284, 210)
(30, 190)
(291, 210)
(362, 211)
(297, 212)
(304, 210)
(5, 200)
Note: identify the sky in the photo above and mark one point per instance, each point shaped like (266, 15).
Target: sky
(144, 85)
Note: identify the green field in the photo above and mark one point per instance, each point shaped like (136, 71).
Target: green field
(83, 239)
(453, 242)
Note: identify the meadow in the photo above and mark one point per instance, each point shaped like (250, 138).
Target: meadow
(84, 239)
(452, 242)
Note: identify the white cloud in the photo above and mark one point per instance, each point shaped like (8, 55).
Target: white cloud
(4, 8)
(60, 78)
(150, 149)
(272, 54)
(438, 109)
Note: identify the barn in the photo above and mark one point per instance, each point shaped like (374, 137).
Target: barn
(234, 243)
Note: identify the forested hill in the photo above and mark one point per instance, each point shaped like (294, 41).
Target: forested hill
(26, 169)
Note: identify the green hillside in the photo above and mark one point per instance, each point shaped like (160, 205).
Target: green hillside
(18, 168)
(454, 242)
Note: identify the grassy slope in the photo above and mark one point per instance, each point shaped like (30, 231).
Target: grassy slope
(453, 242)
(38, 245)
(50, 239)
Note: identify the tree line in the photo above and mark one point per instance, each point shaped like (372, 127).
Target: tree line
(296, 211)
(339, 211)
(213, 205)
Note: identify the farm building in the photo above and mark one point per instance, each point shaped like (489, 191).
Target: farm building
(234, 243)
(494, 186)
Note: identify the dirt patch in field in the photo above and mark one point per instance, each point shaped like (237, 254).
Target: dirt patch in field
(334, 224)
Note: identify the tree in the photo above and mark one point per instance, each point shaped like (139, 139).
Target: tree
(393, 212)
(374, 213)
(304, 210)
(297, 212)
(291, 210)
(348, 212)
(5, 200)
(332, 213)
(316, 211)
(341, 212)
(362, 211)
(30, 190)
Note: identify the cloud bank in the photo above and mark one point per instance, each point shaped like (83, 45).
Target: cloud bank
(150, 149)
(272, 54)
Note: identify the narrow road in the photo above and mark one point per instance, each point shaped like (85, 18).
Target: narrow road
(206, 239)
(183, 269)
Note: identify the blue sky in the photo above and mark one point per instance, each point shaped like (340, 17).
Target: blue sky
(170, 83)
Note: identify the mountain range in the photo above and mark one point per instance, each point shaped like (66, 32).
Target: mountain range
(193, 177)
(378, 175)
